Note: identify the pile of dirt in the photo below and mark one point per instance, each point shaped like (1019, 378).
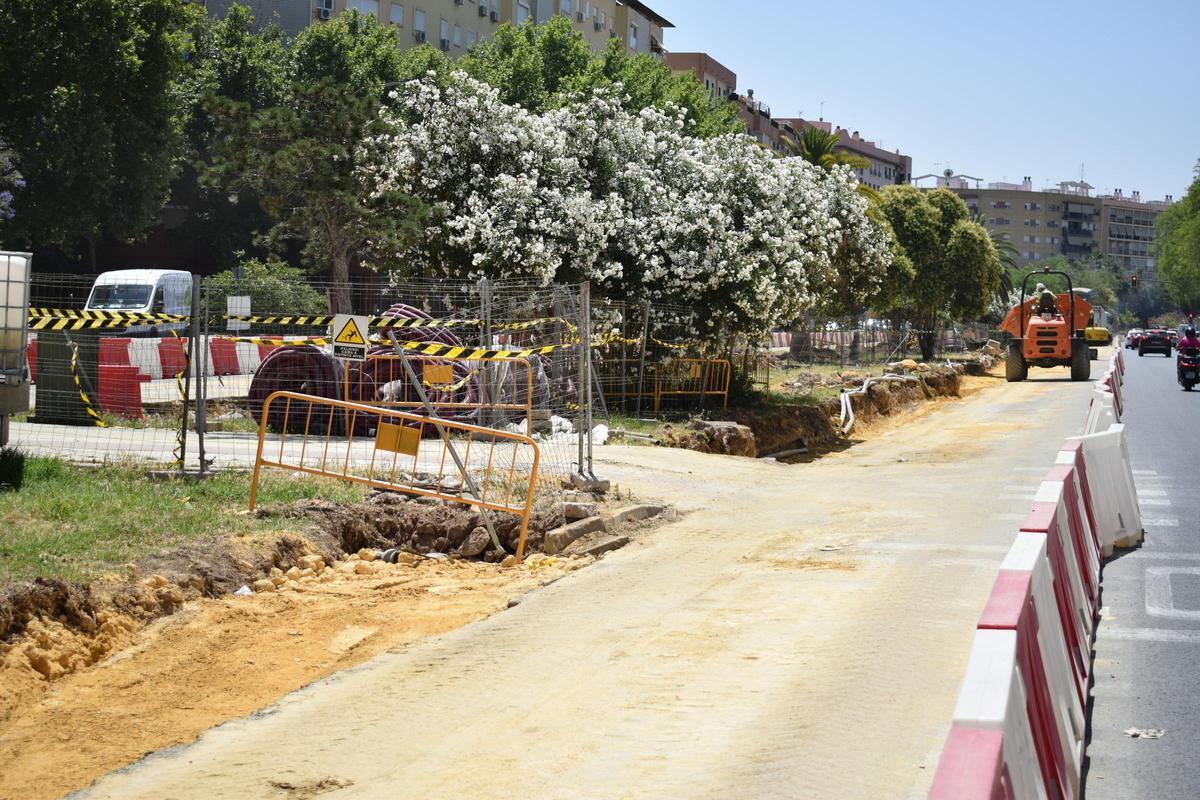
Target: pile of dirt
(708, 436)
(784, 427)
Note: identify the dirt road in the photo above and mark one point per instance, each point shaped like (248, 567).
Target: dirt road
(800, 632)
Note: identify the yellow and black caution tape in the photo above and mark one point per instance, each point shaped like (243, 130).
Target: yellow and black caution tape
(68, 319)
(395, 322)
(281, 341)
(87, 401)
(180, 436)
(114, 316)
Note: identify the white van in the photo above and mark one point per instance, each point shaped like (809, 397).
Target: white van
(157, 291)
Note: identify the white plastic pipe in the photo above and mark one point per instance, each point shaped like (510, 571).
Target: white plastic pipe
(847, 418)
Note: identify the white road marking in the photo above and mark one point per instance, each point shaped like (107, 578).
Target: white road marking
(1042, 469)
(1159, 600)
(1161, 522)
(1143, 555)
(1154, 501)
(1020, 489)
(1151, 492)
(1145, 472)
(1166, 635)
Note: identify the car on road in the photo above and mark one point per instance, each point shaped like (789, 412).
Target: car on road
(1154, 341)
(1131, 338)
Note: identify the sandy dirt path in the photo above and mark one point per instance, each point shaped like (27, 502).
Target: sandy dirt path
(800, 632)
(221, 659)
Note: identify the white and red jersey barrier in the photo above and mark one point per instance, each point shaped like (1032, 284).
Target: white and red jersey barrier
(1113, 493)
(1019, 724)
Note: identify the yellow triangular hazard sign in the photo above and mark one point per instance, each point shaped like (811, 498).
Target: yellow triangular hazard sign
(350, 334)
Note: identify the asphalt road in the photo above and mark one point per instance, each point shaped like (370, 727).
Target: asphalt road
(1147, 648)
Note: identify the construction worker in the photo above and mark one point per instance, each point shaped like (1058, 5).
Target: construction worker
(1047, 302)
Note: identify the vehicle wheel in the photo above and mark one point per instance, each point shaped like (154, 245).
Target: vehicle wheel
(1015, 368)
(1187, 387)
(1081, 365)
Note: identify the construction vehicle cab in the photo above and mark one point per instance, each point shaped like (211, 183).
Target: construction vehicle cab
(1048, 331)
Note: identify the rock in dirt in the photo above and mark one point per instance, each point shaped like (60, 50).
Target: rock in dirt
(476, 543)
(264, 585)
(726, 438)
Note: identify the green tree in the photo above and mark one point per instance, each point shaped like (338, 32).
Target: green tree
(273, 288)
(540, 66)
(302, 157)
(956, 267)
(1177, 246)
(90, 111)
(230, 58)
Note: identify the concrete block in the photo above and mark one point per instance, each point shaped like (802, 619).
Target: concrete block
(574, 511)
(603, 546)
(558, 539)
(634, 514)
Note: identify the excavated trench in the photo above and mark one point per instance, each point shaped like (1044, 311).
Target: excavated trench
(59, 627)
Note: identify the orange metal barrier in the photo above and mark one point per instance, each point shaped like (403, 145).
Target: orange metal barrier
(400, 457)
(453, 385)
(698, 377)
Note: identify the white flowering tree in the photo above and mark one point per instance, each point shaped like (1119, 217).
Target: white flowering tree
(506, 194)
(628, 200)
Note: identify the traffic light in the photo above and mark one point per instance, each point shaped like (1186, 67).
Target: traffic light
(1133, 281)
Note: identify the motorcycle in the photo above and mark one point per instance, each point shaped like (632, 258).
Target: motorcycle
(1187, 368)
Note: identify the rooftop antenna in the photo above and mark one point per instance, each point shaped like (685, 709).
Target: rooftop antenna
(821, 110)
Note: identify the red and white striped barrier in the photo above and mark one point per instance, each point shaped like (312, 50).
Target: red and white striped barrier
(1020, 720)
(1023, 600)
(781, 340)
(1102, 412)
(1114, 494)
(1003, 762)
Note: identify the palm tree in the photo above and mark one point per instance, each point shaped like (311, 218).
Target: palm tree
(1008, 254)
(820, 147)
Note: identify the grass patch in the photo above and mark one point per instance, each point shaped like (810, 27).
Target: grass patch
(633, 424)
(77, 522)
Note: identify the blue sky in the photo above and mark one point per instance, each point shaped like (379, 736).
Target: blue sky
(998, 91)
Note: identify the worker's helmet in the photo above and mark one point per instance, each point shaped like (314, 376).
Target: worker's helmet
(1041, 287)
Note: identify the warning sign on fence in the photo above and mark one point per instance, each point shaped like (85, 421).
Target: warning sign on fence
(350, 337)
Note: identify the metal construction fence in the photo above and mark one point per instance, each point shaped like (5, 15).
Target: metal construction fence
(153, 366)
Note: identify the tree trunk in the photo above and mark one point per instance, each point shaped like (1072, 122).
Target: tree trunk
(339, 275)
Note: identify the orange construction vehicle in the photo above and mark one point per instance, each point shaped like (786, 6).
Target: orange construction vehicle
(1048, 331)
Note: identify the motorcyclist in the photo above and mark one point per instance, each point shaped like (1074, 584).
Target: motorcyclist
(1189, 340)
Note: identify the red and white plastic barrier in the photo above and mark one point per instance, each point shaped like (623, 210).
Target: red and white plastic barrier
(990, 753)
(1114, 495)
(1102, 412)
(1020, 720)
(164, 358)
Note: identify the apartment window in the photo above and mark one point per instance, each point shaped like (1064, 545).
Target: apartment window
(565, 6)
(444, 31)
(633, 37)
(522, 11)
(1006, 237)
(471, 37)
(457, 36)
(398, 15)
(419, 21)
(587, 10)
(364, 7)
